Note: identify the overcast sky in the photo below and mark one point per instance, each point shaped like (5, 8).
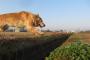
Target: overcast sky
(57, 14)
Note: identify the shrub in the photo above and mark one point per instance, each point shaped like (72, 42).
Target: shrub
(74, 51)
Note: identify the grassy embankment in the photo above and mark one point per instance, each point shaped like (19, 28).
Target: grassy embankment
(24, 46)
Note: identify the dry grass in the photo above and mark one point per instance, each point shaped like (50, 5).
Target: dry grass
(13, 35)
(84, 37)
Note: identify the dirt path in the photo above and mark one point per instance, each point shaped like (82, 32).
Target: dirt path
(84, 37)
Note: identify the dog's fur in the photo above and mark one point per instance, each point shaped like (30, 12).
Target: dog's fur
(19, 19)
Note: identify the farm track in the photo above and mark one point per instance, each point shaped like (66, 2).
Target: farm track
(83, 37)
(31, 49)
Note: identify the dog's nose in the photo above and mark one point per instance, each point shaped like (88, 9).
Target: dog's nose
(44, 25)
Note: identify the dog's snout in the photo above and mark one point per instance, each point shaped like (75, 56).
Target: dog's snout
(44, 25)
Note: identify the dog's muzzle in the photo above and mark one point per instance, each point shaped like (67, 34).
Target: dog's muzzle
(42, 25)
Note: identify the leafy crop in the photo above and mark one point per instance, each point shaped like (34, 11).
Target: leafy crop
(74, 51)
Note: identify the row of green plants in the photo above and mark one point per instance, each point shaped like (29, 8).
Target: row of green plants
(74, 51)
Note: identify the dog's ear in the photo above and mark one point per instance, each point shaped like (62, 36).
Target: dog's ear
(34, 21)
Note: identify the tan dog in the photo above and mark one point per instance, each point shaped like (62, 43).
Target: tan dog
(23, 18)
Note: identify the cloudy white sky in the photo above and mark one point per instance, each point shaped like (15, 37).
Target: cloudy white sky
(57, 14)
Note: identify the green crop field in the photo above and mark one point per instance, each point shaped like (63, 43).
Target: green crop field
(77, 47)
(74, 51)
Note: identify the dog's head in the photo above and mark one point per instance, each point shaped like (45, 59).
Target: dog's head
(34, 19)
(38, 22)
